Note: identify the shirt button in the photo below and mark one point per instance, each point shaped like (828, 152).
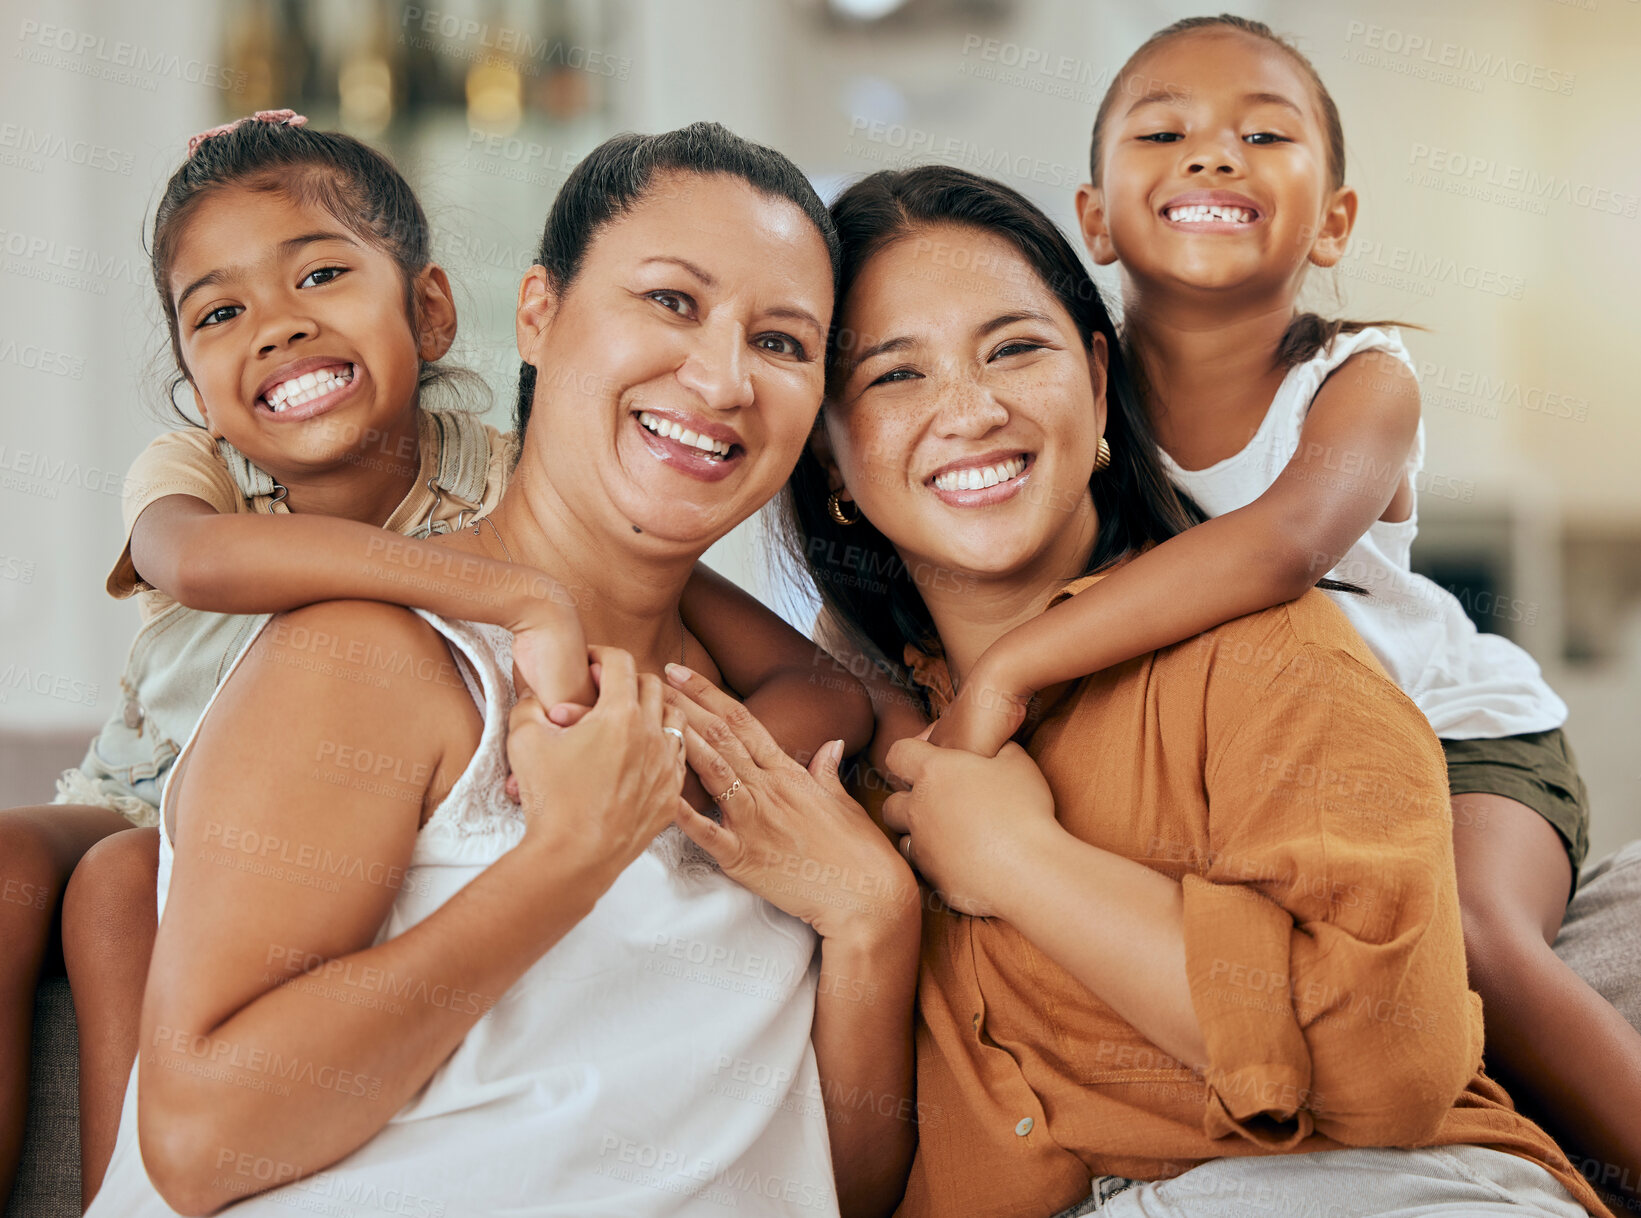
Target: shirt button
(1024, 1127)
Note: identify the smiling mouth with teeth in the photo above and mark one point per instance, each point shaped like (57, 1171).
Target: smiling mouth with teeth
(1202, 213)
(713, 450)
(979, 478)
(305, 388)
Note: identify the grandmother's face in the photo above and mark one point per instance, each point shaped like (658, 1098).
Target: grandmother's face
(677, 379)
(966, 410)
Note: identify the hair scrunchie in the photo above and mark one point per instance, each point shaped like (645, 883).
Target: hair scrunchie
(289, 118)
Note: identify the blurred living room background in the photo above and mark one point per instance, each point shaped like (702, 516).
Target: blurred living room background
(1493, 144)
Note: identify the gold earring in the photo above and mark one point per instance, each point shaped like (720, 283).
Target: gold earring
(1102, 455)
(834, 508)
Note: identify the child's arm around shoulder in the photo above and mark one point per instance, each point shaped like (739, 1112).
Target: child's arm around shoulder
(246, 564)
(1348, 472)
(793, 686)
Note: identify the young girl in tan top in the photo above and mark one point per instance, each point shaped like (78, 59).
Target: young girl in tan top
(1197, 944)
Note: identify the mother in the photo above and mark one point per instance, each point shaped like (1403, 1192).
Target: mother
(439, 1001)
(1210, 921)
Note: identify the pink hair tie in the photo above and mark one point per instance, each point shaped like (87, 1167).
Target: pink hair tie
(288, 118)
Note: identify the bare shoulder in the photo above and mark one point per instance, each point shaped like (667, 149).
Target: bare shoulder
(345, 679)
(333, 638)
(366, 657)
(1377, 378)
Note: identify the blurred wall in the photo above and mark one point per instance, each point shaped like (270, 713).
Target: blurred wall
(1492, 143)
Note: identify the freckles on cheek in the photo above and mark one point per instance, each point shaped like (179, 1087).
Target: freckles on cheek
(880, 454)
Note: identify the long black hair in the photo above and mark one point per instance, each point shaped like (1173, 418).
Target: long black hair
(863, 583)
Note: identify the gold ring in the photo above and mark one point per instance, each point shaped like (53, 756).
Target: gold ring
(734, 787)
(906, 846)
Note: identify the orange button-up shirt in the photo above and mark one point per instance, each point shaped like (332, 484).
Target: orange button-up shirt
(1301, 800)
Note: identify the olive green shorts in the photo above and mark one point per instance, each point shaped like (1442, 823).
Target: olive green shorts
(1537, 769)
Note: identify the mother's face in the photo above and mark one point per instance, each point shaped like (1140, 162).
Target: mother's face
(677, 378)
(966, 411)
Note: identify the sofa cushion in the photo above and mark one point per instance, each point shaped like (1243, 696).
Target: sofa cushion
(48, 1179)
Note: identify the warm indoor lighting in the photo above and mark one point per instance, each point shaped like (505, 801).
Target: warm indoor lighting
(365, 88)
(865, 10)
(495, 97)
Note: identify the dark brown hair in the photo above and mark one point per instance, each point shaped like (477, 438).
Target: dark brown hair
(352, 182)
(1307, 333)
(862, 580)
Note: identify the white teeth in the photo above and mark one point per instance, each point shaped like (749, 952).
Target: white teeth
(979, 478)
(306, 388)
(1202, 213)
(676, 431)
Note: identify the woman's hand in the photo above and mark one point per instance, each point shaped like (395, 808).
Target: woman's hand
(601, 790)
(971, 824)
(792, 835)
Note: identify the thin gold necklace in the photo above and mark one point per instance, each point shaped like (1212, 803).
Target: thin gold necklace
(683, 631)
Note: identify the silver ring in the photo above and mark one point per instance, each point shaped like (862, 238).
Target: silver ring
(734, 788)
(672, 731)
(906, 846)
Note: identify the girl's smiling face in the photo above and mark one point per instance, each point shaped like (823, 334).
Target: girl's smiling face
(296, 332)
(966, 410)
(1215, 170)
(679, 374)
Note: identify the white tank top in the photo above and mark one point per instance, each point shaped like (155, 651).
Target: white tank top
(656, 1061)
(1470, 685)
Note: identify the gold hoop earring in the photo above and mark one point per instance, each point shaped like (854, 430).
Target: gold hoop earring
(834, 509)
(1102, 455)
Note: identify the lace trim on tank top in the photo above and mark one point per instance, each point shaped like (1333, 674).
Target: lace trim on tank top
(478, 802)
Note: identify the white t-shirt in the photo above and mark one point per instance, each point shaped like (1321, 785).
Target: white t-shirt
(656, 1061)
(1470, 685)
